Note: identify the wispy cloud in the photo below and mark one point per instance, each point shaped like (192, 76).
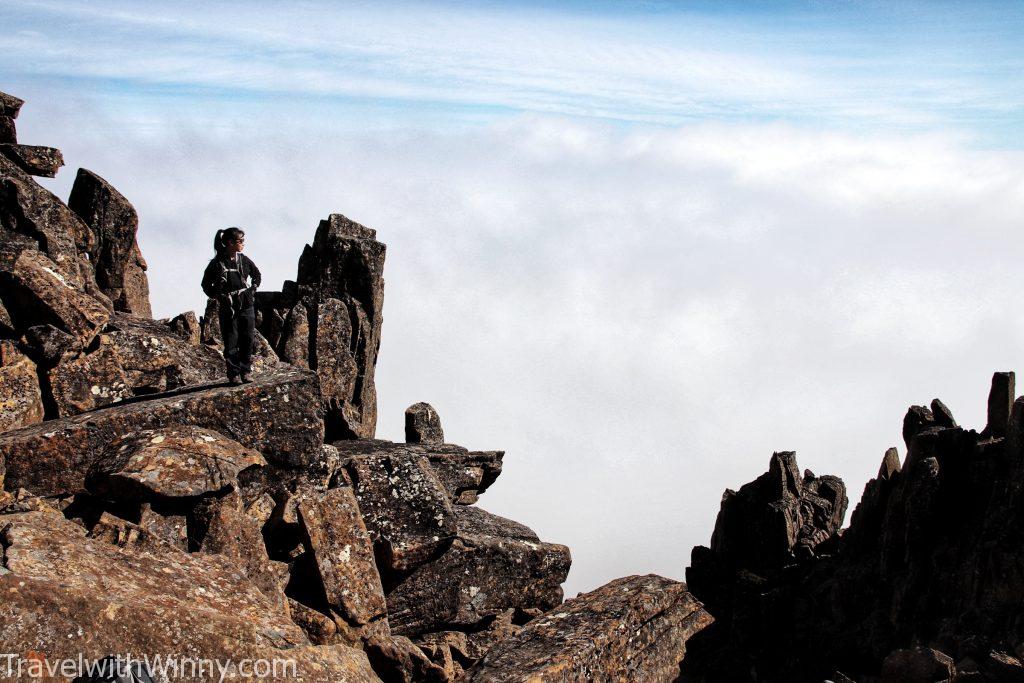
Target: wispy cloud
(661, 67)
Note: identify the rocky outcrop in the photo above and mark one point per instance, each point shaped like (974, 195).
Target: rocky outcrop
(634, 628)
(329, 320)
(926, 576)
(117, 261)
(36, 219)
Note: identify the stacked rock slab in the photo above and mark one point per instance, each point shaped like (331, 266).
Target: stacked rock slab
(329, 320)
(927, 577)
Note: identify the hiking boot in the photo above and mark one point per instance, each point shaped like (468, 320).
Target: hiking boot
(246, 378)
(234, 380)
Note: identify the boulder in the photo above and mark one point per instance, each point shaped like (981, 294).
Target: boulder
(343, 553)
(47, 344)
(219, 525)
(398, 660)
(632, 629)
(422, 425)
(277, 415)
(21, 402)
(176, 461)
(114, 224)
(66, 594)
(159, 355)
(463, 473)
(10, 105)
(406, 509)
(36, 292)
(34, 160)
(85, 381)
(30, 212)
(294, 342)
(135, 295)
(492, 565)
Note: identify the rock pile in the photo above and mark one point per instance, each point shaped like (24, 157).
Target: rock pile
(146, 506)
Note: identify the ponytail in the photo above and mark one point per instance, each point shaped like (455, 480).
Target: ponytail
(218, 243)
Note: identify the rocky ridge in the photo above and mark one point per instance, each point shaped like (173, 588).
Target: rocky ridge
(146, 506)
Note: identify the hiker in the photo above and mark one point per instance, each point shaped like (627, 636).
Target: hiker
(232, 278)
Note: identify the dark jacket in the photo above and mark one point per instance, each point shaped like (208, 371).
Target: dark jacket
(232, 281)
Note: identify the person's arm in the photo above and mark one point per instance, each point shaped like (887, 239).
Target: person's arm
(210, 281)
(254, 273)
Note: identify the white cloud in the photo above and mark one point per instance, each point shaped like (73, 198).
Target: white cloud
(638, 318)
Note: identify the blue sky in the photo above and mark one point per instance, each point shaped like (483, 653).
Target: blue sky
(856, 65)
(638, 246)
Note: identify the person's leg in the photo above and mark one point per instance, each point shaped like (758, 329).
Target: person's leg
(229, 332)
(246, 327)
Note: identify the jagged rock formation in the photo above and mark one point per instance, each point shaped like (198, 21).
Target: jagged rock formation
(146, 506)
(329, 320)
(115, 255)
(931, 560)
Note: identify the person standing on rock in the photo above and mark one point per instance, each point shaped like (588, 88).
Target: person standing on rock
(231, 279)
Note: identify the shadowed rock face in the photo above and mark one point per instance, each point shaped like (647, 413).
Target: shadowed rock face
(634, 629)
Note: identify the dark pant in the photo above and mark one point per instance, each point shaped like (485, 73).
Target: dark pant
(238, 331)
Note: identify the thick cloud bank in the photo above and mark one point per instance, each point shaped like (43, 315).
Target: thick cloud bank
(639, 318)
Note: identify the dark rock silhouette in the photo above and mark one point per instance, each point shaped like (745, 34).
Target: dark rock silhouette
(931, 560)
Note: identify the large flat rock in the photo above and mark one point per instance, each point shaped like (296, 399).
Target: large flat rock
(465, 474)
(277, 415)
(494, 564)
(632, 629)
(66, 594)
